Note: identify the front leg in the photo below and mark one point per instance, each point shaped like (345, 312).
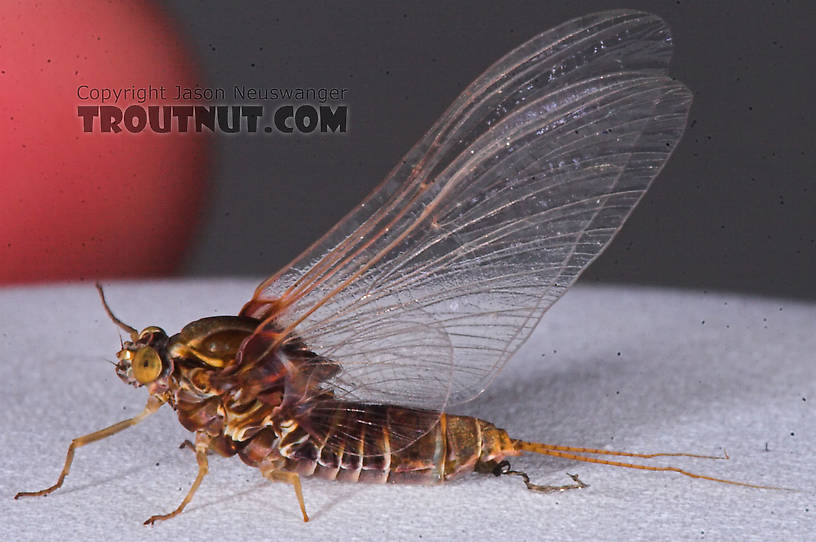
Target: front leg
(153, 404)
(202, 444)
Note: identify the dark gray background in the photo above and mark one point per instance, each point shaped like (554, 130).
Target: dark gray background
(734, 209)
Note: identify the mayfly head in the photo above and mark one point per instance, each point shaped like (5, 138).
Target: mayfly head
(142, 359)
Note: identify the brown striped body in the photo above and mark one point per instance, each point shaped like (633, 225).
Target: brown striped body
(316, 435)
(455, 446)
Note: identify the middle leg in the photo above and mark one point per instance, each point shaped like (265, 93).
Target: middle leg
(201, 446)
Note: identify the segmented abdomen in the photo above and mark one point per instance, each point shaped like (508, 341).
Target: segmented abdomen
(368, 450)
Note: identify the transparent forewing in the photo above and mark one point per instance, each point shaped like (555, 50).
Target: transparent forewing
(393, 359)
(425, 290)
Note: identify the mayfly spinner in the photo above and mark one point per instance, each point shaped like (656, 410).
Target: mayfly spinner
(343, 365)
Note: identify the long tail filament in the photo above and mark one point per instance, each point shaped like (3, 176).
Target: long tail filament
(571, 452)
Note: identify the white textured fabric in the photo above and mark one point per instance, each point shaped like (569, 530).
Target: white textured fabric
(619, 367)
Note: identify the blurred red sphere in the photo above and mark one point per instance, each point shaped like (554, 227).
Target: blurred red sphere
(79, 205)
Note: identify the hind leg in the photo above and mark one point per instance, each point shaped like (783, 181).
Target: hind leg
(503, 468)
(290, 478)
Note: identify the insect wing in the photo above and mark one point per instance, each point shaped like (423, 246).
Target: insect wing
(423, 291)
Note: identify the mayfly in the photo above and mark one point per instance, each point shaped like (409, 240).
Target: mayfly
(344, 364)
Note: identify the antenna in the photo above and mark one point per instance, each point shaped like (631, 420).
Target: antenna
(134, 335)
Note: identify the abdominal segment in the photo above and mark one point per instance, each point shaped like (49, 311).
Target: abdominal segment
(454, 446)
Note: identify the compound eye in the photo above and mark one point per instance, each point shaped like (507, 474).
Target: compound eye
(151, 334)
(146, 365)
